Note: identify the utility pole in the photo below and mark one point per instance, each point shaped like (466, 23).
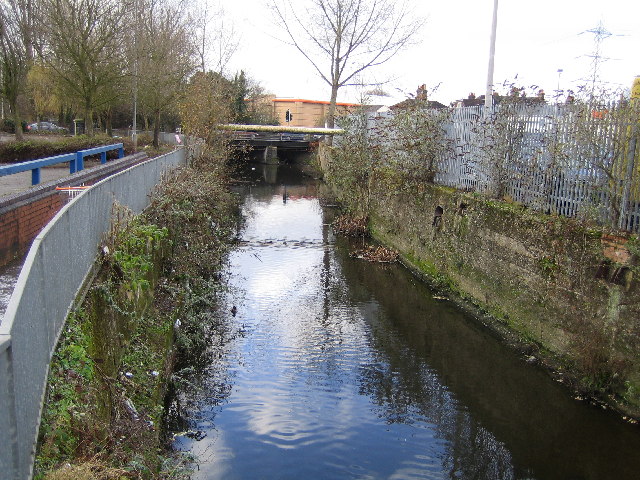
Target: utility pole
(488, 97)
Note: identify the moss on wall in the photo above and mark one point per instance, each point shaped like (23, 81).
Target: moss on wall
(106, 397)
(566, 288)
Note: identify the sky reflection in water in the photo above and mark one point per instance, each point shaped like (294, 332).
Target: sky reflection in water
(343, 369)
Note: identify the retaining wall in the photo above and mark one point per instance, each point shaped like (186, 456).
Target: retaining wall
(24, 214)
(566, 289)
(57, 266)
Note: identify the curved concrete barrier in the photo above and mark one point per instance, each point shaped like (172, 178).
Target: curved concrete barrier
(58, 264)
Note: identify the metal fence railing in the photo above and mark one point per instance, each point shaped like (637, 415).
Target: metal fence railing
(570, 160)
(57, 265)
(75, 161)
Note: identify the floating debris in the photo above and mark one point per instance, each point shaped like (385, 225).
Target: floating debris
(376, 254)
(351, 226)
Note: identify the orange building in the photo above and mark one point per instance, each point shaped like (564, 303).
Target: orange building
(306, 113)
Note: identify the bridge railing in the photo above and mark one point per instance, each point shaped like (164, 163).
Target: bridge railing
(36, 165)
(75, 160)
(276, 137)
(57, 266)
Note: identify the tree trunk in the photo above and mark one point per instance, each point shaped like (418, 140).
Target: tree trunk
(108, 123)
(88, 119)
(331, 114)
(17, 121)
(156, 130)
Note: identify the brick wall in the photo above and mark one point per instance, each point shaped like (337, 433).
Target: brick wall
(23, 215)
(19, 226)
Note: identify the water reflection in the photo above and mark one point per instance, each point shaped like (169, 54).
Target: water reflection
(344, 369)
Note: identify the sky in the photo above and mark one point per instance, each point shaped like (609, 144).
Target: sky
(534, 40)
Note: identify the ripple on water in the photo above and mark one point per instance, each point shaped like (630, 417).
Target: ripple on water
(345, 371)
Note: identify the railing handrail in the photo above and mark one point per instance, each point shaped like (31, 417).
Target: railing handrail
(95, 150)
(76, 161)
(98, 150)
(31, 164)
(42, 299)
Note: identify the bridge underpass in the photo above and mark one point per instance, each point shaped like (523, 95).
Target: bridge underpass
(274, 143)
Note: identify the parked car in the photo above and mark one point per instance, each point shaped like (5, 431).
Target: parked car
(46, 127)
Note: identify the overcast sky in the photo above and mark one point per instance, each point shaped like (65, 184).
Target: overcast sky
(534, 41)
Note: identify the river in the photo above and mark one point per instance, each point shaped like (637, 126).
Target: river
(339, 368)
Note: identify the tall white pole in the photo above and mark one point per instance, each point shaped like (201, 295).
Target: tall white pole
(488, 97)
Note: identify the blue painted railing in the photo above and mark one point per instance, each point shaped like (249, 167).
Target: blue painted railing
(76, 161)
(97, 150)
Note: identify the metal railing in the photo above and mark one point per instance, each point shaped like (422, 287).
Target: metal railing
(58, 264)
(543, 156)
(76, 161)
(82, 154)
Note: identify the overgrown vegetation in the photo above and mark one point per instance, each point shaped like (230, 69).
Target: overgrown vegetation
(125, 346)
(399, 151)
(108, 374)
(384, 169)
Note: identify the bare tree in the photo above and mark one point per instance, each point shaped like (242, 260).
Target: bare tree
(216, 39)
(166, 58)
(17, 32)
(83, 46)
(343, 38)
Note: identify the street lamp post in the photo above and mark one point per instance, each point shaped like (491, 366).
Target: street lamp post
(558, 90)
(488, 97)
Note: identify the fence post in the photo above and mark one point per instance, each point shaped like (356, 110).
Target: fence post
(35, 176)
(79, 161)
(9, 455)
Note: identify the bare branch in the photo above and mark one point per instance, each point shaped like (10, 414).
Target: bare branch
(342, 38)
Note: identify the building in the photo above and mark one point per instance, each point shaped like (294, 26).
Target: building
(306, 113)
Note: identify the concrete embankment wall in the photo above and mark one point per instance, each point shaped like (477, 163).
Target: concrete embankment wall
(24, 214)
(59, 264)
(568, 291)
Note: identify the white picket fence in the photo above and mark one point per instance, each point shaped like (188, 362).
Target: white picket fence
(553, 158)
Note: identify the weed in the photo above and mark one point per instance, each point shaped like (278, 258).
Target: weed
(548, 266)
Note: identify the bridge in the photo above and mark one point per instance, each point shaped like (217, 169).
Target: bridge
(269, 140)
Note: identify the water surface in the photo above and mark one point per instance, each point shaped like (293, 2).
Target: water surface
(339, 368)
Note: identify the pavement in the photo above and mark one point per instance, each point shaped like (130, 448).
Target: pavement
(19, 182)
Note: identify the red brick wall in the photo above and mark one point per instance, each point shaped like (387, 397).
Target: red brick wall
(24, 214)
(19, 226)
